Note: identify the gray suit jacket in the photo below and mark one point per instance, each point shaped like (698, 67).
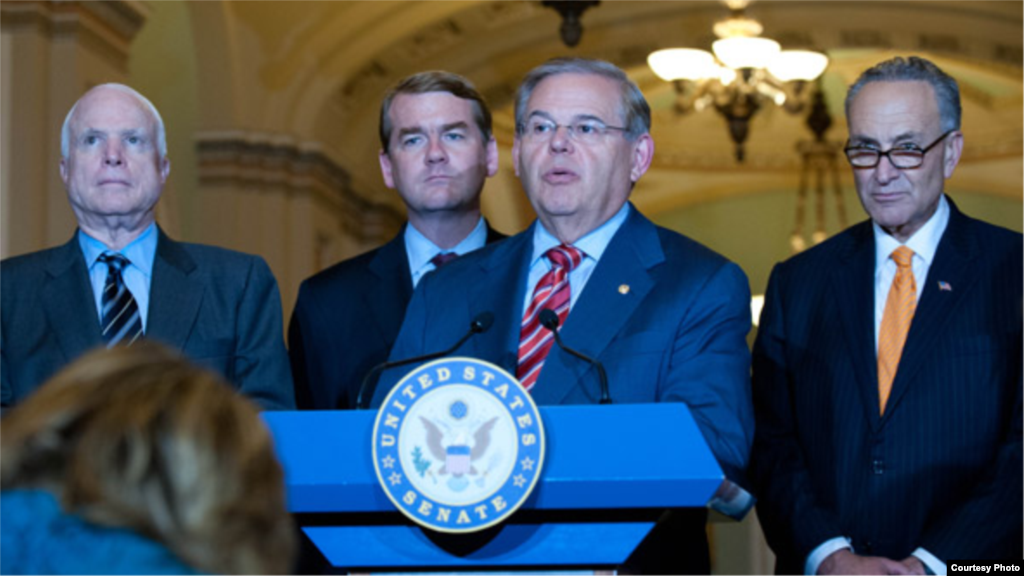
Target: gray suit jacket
(220, 308)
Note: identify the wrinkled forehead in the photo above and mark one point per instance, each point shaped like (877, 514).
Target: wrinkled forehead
(572, 95)
(108, 107)
(900, 101)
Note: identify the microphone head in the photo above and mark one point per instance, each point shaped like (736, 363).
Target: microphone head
(482, 322)
(548, 319)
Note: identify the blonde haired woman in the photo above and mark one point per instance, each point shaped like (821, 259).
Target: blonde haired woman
(133, 460)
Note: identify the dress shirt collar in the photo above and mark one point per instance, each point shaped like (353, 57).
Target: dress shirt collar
(593, 244)
(140, 252)
(924, 242)
(420, 249)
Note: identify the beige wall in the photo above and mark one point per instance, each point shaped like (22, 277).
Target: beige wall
(52, 53)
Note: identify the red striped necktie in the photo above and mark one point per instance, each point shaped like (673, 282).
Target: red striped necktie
(552, 292)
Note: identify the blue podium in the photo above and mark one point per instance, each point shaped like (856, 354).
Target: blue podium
(609, 473)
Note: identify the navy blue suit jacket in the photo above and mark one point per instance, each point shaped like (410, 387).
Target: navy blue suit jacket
(345, 321)
(666, 316)
(220, 308)
(941, 469)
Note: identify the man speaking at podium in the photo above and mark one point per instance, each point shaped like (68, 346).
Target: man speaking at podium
(666, 316)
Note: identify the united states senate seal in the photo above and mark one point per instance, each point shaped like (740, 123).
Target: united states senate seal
(458, 445)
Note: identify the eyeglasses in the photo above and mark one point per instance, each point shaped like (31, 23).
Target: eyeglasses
(590, 131)
(909, 156)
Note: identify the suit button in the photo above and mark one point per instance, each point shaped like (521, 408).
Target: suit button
(878, 466)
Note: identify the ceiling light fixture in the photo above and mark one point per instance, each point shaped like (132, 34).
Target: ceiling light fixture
(745, 71)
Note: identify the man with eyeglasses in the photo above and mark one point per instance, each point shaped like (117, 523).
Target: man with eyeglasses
(667, 317)
(887, 367)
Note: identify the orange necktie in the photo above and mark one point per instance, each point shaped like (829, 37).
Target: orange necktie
(899, 312)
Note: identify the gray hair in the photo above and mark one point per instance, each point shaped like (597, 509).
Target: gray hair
(635, 109)
(913, 68)
(161, 134)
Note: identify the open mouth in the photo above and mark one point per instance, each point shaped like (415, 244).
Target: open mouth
(560, 176)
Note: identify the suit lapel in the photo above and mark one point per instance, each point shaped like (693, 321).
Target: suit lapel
(391, 293)
(68, 301)
(502, 291)
(602, 311)
(174, 294)
(955, 265)
(492, 234)
(853, 284)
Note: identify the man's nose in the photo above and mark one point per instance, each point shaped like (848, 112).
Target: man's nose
(886, 172)
(113, 154)
(561, 139)
(436, 152)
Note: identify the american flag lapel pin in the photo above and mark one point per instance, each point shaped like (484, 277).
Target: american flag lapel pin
(945, 287)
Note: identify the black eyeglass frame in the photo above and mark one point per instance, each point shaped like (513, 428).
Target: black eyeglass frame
(879, 154)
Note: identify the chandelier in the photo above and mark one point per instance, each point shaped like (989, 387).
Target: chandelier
(571, 12)
(746, 71)
(819, 173)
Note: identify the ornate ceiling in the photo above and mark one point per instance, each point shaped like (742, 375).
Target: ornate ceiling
(314, 72)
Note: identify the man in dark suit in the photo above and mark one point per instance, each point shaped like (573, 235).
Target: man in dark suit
(120, 277)
(887, 367)
(666, 316)
(436, 151)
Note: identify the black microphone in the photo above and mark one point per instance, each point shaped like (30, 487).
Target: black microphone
(481, 323)
(549, 320)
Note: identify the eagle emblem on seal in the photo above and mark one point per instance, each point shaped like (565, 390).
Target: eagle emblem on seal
(458, 453)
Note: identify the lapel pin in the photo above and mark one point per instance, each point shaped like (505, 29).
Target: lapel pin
(945, 287)
(624, 289)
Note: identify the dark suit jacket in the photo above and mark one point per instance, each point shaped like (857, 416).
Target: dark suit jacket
(676, 335)
(345, 320)
(942, 468)
(666, 316)
(220, 308)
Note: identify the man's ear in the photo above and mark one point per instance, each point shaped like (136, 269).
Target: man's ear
(385, 168)
(492, 157)
(954, 149)
(64, 171)
(165, 169)
(643, 155)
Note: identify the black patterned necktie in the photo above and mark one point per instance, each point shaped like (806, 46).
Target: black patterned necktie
(120, 320)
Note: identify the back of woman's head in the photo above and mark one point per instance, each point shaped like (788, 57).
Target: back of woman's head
(140, 438)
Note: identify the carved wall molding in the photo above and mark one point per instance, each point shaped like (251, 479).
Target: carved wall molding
(106, 28)
(257, 163)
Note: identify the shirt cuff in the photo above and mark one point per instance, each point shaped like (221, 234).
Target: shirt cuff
(930, 562)
(818, 555)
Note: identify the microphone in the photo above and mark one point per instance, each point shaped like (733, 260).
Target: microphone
(549, 320)
(481, 323)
